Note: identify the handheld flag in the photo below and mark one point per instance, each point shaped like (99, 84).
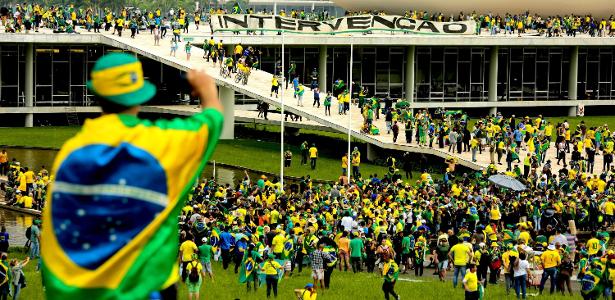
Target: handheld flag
(111, 220)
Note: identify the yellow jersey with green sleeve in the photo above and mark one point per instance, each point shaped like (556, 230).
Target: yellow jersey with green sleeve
(111, 219)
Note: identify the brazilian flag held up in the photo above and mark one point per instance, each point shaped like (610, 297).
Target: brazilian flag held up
(111, 221)
(110, 225)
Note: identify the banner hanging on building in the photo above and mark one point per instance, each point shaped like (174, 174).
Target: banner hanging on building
(340, 25)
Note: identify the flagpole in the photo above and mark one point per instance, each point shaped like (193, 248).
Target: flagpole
(282, 119)
(348, 157)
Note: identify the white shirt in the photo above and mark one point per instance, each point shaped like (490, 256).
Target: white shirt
(347, 223)
(561, 239)
(521, 268)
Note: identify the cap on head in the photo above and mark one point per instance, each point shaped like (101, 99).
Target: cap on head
(118, 78)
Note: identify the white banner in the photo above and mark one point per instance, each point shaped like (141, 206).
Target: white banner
(339, 25)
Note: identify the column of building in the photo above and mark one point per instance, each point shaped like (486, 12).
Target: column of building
(493, 79)
(409, 80)
(227, 97)
(29, 84)
(572, 80)
(322, 69)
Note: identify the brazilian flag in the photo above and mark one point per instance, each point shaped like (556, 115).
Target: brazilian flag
(214, 241)
(288, 248)
(247, 268)
(111, 219)
(592, 284)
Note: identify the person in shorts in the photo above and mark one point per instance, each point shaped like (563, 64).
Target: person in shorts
(318, 269)
(441, 253)
(205, 253)
(194, 284)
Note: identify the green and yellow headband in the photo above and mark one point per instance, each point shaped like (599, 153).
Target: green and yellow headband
(119, 80)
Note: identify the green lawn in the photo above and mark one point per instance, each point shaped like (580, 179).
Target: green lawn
(347, 285)
(46, 137)
(34, 287)
(265, 156)
(344, 285)
(253, 154)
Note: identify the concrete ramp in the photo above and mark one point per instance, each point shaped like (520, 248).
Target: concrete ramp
(259, 87)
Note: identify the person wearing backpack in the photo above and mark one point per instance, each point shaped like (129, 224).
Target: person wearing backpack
(195, 277)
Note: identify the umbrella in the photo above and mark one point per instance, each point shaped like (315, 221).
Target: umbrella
(507, 182)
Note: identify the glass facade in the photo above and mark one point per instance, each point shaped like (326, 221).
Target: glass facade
(595, 77)
(533, 74)
(61, 72)
(379, 69)
(451, 74)
(442, 74)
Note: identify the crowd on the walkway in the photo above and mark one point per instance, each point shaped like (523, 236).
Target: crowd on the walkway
(506, 139)
(66, 18)
(520, 23)
(378, 223)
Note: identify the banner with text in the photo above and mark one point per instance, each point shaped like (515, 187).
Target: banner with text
(339, 25)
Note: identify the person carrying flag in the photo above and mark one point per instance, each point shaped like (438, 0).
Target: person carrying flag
(390, 272)
(271, 269)
(111, 231)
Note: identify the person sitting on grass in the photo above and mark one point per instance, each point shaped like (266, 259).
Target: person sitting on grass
(306, 293)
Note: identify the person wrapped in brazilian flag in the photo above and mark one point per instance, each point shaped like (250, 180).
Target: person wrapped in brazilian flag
(594, 280)
(111, 219)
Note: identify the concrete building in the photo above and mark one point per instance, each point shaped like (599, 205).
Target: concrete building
(43, 75)
(480, 74)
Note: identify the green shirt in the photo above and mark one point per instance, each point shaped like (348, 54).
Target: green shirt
(405, 245)
(356, 247)
(205, 253)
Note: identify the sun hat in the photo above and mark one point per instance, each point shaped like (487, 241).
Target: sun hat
(309, 285)
(551, 247)
(118, 78)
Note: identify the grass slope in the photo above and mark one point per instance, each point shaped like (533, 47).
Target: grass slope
(344, 285)
(253, 154)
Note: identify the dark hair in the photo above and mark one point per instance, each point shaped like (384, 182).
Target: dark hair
(109, 107)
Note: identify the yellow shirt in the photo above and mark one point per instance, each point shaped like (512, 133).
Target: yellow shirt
(608, 208)
(29, 176)
(4, 157)
(460, 254)
(271, 267)
(274, 81)
(525, 236)
(307, 295)
(495, 214)
(22, 182)
(194, 264)
(550, 258)
(278, 243)
(27, 201)
(506, 259)
(313, 152)
(186, 249)
(471, 281)
(593, 245)
(238, 49)
(345, 162)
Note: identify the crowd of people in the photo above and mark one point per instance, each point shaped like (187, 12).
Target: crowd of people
(66, 18)
(507, 139)
(24, 187)
(381, 224)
